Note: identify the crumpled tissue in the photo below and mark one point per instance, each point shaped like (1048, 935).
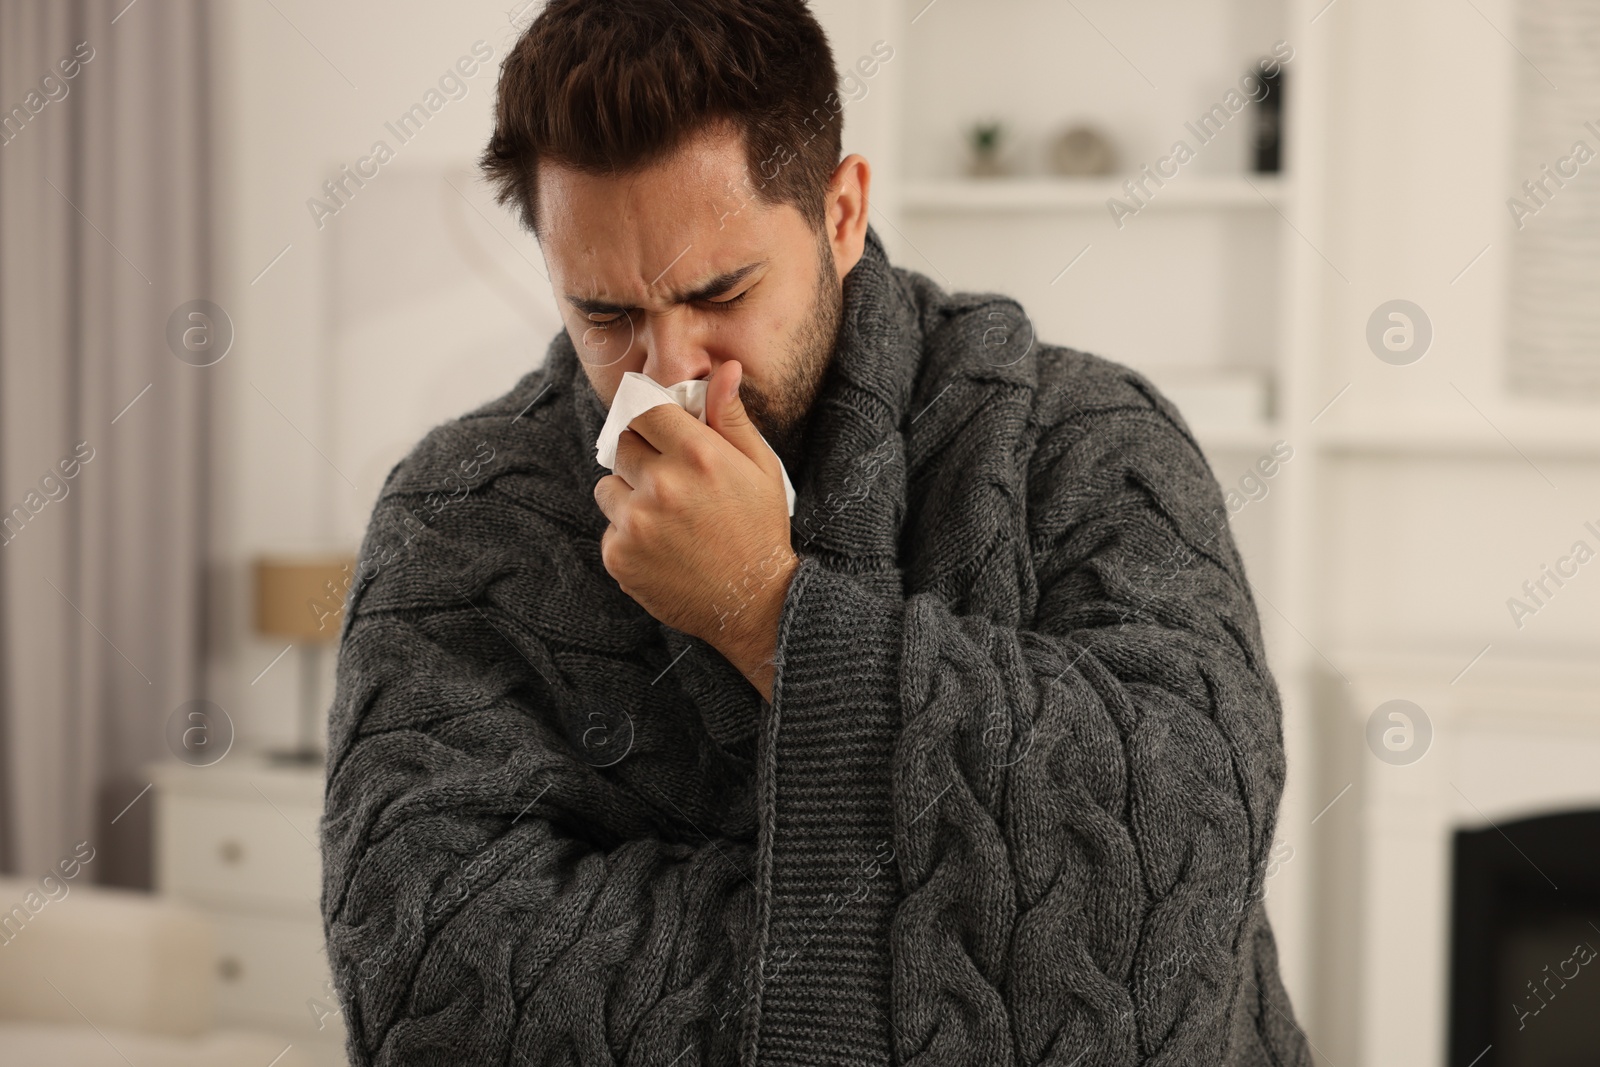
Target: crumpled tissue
(637, 394)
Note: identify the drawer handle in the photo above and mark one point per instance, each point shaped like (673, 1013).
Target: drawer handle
(230, 969)
(231, 851)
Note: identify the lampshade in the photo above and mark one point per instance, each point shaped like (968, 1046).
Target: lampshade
(302, 598)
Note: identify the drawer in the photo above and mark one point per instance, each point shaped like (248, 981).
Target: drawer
(272, 974)
(239, 853)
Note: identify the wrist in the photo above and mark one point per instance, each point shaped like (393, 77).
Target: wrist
(754, 650)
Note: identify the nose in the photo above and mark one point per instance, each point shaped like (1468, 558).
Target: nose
(674, 352)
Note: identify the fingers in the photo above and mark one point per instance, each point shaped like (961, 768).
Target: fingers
(611, 493)
(667, 428)
(635, 455)
(667, 433)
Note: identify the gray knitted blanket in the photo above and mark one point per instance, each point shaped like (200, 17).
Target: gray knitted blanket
(1011, 803)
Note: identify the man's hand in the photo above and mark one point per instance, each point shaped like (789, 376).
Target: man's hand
(699, 532)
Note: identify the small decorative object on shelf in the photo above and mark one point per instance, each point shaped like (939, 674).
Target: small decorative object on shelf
(1269, 122)
(986, 140)
(1082, 151)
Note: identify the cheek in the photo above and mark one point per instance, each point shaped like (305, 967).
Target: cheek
(758, 337)
(792, 313)
(605, 382)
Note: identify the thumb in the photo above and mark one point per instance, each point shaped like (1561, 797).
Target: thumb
(725, 413)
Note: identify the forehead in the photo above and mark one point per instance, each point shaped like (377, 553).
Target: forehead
(693, 212)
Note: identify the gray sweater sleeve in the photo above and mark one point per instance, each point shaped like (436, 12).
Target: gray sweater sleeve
(489, 895)
(1082, 801)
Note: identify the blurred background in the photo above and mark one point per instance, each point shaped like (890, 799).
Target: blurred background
(246, 262)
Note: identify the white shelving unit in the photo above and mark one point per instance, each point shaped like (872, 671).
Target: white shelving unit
(1088, 194)
(1219, 271)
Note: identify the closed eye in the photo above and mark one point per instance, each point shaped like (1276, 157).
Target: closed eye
(600, 321)
(606, 320)
(730, 302)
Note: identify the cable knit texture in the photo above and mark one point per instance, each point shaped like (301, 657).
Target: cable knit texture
(1011, 803)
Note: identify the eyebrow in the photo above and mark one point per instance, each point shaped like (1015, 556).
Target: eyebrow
(714, 287)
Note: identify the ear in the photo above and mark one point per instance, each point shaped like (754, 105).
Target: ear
(845, 210)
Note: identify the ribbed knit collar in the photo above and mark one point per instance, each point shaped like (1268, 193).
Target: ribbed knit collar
(850, 495)
(850, 500)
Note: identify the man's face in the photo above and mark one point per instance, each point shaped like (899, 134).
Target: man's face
(674, 269)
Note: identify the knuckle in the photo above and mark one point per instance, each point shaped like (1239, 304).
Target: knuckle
(641, 523)
(701, 460)
(668, 493)
(609, 554)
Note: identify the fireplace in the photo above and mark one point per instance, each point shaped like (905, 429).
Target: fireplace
(1525, 943)
(1422, 904)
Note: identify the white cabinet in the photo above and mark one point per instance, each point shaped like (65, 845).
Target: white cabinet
(239, 840)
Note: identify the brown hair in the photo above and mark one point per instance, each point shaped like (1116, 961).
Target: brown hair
(609, 86)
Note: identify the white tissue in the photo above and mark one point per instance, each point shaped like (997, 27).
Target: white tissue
(639, 393)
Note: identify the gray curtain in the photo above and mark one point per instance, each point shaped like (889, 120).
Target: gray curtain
(104, 232)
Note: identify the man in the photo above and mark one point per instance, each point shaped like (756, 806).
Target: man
(974, 760)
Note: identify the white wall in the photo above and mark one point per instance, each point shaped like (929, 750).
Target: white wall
(1441, 494)
(411, 305)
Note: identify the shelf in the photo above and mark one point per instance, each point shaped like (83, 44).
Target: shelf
(1083, 194)
(1552, 436)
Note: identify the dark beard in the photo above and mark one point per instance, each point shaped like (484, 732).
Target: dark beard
(783, 413)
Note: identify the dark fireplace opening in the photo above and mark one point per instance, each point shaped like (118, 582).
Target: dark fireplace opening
(1525, 944)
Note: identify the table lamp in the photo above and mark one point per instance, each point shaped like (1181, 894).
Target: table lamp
(301, 598)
